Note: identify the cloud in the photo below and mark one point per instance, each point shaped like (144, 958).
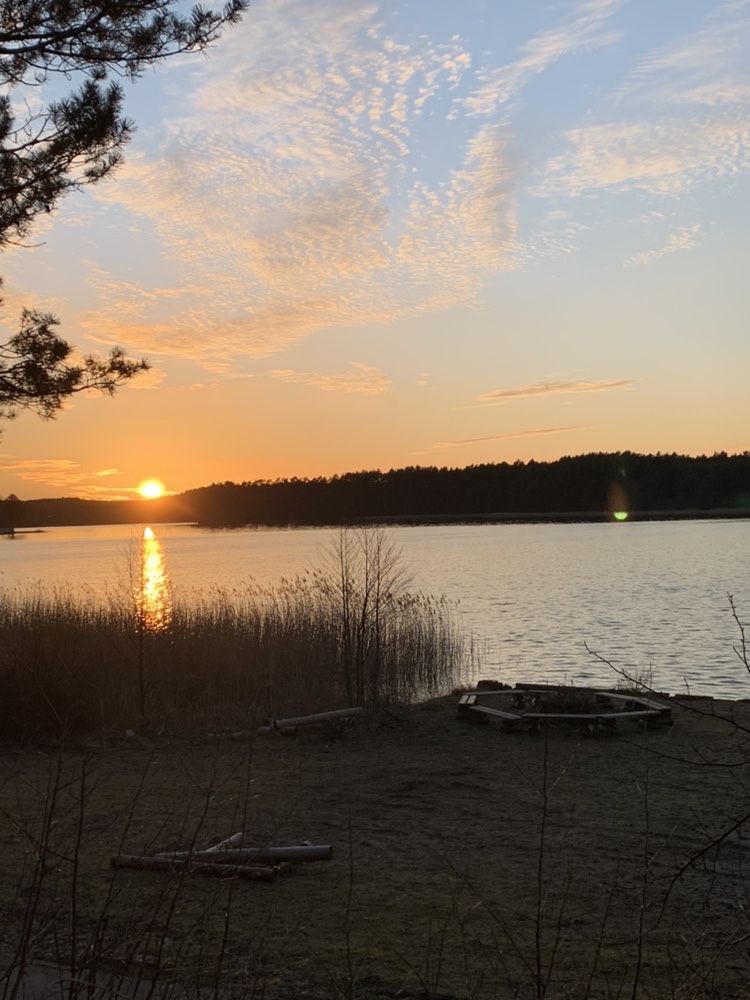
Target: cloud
(64, 474)
(282, 192)
(554, 389)
(705, 67)
(659, 158)
(295, 187)
(687, 108)
(586, 29)
(49, 471)
(539, 432)
(150, 379)
(363, 379)
(684, 238)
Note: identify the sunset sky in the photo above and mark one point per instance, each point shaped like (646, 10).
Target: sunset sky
(366, 235)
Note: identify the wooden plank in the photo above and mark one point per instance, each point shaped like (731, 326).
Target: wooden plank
(261, 855)
(309, 720)
(261, 873)
(465, 704)
(657, 706)
(628, 715)
(496, 712)
(538, 688)
(490, 694)
(590, 715)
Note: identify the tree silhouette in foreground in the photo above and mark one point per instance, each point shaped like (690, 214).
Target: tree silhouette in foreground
(36, 371)
(72, 141)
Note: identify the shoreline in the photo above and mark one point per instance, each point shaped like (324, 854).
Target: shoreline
(415, 520)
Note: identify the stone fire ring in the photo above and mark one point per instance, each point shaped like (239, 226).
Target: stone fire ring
(522, 707)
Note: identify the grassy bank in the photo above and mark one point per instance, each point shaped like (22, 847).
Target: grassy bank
(349, 633)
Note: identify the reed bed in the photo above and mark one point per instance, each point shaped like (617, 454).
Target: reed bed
(70, 665)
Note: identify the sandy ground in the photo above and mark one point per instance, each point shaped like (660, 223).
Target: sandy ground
(467, 861)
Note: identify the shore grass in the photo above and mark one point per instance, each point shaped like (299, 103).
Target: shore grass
(69, 666)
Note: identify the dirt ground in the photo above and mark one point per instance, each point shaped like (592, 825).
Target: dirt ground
(468, 862)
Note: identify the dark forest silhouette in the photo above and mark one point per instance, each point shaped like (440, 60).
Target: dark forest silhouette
(582, 487)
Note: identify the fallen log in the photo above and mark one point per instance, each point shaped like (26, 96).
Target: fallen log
(248, 855)
(262, 873)
(234, 841)
(310, 720)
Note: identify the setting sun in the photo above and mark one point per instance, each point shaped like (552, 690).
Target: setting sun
(151, 489)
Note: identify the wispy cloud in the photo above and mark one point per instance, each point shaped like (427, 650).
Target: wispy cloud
(150, 379)
(587, 28)
(684, 238)
(554, 389)
(66, 475)
(364, 379)
(705, 67)
(687, 108)
(47, 471)
(284, 192)
(537, 432)
(659, 158)
(289, 194)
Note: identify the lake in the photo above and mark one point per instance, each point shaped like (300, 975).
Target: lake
(649, 596)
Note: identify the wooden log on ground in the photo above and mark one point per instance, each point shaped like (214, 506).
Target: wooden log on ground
(250, 855)
(234, 841)
(310, 720)
(262, 873)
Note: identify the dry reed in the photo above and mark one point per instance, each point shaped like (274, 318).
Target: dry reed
(71, 665)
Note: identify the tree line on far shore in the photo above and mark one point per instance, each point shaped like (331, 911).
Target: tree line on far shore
(592, 486)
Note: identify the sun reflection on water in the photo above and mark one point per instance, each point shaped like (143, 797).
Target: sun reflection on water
(154, 598)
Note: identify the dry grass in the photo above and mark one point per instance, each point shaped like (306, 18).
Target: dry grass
(68, 667)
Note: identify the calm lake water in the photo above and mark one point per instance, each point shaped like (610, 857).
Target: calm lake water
(648, 596)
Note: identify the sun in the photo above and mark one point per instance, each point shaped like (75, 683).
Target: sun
(151, 489)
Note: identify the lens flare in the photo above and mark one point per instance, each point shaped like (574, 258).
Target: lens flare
(620, 515)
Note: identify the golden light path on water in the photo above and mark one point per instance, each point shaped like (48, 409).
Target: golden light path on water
(154, 598)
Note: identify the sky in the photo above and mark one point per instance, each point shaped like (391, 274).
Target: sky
(359, 234)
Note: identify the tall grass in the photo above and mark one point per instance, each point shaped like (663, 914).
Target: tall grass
(69, 665)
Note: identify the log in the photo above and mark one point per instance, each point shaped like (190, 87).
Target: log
(310, 720)
(248, 855)
(261, 873)
(234, 841)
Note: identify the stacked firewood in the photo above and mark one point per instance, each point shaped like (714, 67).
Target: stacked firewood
(230, 858)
